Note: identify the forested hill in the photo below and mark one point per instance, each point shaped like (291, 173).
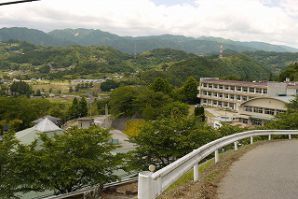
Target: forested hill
(77, 61)
(87, 37)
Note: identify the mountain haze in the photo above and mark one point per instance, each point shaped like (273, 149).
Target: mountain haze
(88, 37)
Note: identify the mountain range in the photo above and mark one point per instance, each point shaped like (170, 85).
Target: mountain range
(90, 37)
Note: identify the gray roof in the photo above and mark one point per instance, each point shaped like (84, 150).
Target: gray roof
(27, 136)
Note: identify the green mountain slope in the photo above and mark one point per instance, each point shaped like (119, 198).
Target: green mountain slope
(88, 37)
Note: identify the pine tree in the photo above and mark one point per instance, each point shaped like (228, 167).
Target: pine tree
(83, 107)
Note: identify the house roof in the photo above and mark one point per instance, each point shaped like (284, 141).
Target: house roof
(53, 119)
(27, 136)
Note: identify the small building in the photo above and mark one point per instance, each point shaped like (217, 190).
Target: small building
(45, 126)
(85, 122)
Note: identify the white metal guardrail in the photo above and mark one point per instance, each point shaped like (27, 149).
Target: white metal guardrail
(151, 185)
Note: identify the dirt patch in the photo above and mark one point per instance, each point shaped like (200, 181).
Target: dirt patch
(206, 188)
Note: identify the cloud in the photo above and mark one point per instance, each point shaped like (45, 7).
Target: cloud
(271, 21)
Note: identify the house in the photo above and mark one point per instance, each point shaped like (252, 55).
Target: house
(45, 126)
(85, 122)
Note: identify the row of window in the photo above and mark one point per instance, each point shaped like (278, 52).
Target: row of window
(261, 110)
(236, 88)
(226, 96)
(219, 103)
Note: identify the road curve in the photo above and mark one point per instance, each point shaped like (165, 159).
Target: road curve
(269, 171)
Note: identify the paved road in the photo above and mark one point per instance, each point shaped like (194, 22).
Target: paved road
(269, 171)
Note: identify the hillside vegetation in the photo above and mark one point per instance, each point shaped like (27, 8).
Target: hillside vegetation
(90, 37)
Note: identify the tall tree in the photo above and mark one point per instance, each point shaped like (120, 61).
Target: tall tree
(83, 107)
(190, 90)
(161, 85)
(20, 88)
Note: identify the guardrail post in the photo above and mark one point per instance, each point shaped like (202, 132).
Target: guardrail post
(251, 140)
(146, 188)
(196, 173)
(269, 137)
(216, 156)
(290, 136)
(235, 146)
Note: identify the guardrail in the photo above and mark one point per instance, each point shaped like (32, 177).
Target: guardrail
(151, 185)
(129, 179)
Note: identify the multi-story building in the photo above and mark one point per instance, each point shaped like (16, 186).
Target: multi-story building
(230, 94)
(255, 102)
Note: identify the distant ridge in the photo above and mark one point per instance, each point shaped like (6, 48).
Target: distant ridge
(87, 37)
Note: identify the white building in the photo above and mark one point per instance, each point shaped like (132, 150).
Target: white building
(255, 102)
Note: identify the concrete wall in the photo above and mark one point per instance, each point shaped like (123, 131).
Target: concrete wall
(277, 88)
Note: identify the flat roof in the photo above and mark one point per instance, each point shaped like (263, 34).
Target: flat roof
(235, 82)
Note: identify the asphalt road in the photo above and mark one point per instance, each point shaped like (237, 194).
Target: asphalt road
(269, 171)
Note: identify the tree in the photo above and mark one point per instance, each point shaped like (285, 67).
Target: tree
(83, 107)
(20, 88)
(161, 85)
(8, 184)
(200, 113)
(175, 110)
(74, 109)
(84, 159)
(109, 85)
(163, 141)
(123, 101)
(149, 104)
(190, 90)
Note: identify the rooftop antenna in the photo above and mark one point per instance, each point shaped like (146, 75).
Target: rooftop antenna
(221, 51)
(16, 2)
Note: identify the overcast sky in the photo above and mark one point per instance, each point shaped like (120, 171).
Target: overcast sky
(273, 21)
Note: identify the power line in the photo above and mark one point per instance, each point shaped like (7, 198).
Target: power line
(16, 2)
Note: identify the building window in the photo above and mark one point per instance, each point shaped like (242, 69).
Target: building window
(258, 90)
(205, 85)
(220, 95)
(238, 88)
(210, 85)
(265, 91)
(215, 86)
(232, 106)
(232, 97)
(238, 97)
(227, 87)
(220, 104)
(258, 110)
(227, 96)
(269, 111)
(232, 88)
(245, 121)
(215, 94)
(205, 93)
(244, 89)
(226, 104)
(204, 101)
(214, 102)
(220, 86)
(248, 108)
(280, 111)
(251, 90)
(244, 98)
(256, 122)
(209, 93)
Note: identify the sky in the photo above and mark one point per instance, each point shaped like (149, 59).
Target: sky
(272, 21)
